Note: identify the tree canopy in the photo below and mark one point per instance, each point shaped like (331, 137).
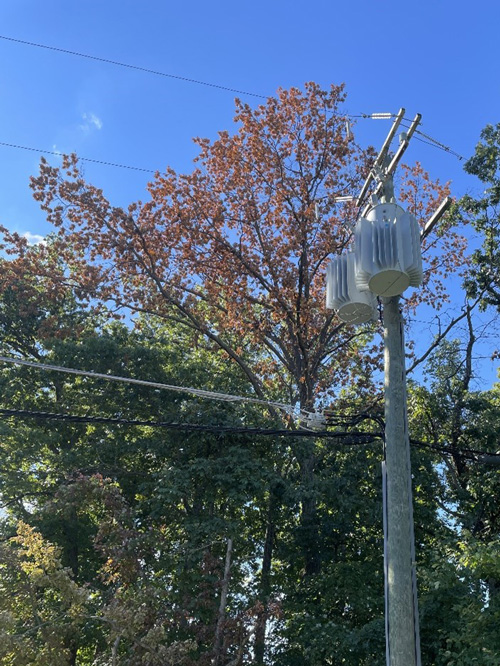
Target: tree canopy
(126, 544)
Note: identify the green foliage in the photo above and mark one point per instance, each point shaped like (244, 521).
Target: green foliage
(114, 538)
(139, 517)
(484, 276)
(41, 607)
(459, 600)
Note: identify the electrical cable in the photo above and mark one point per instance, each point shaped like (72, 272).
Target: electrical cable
(84, 159)
(376, 116)
(413, 556)
(129, 66)
(385, 521)
(430, 142)
(334, 419)
(433, 142)
(348, 438)
(211, 395)
(465, 452)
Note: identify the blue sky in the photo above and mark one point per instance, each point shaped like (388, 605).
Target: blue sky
(438, 58)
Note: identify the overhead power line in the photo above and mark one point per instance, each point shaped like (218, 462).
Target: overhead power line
(84, 159)
(374, 116)
(347, 437)
(471, 454)
(129, 66)
(201, 393)
(429, 140)
(43, 151)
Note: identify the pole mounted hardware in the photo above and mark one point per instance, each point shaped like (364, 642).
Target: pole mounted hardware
(443, 207)
(382, 154)
(385, 166)
(386, 260)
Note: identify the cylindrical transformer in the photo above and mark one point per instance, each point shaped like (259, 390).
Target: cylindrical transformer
(387, 250)
(352, 305)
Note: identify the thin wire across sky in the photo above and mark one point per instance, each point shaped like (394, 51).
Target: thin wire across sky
(424, 138)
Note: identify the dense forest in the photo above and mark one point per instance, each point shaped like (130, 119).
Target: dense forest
(146, 526)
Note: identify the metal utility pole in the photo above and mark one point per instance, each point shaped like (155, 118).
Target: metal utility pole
(401, 602)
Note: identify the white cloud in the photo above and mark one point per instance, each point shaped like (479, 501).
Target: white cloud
(34, 239)
(91, 121)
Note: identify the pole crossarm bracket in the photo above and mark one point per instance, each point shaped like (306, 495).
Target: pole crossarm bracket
(381, 156)
(436, 216)
(384, 166)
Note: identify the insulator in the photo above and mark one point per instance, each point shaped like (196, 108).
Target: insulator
(352, 305)
(387, 250)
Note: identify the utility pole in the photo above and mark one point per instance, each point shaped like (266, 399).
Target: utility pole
(402, 620)
(387, 260)
(401, 603)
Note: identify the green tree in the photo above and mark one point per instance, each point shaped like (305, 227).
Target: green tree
(226, 267)
(460, 586)
(484, 276)
(188, 493)
(41, 605)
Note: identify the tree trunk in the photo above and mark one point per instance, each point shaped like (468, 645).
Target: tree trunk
(217, 658)
(308, 533)
(265, 581)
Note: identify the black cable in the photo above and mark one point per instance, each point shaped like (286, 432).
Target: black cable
(42, 151)
(431, 140)
(465, 453)
(128, 66)
(348, 437)
(84, 159)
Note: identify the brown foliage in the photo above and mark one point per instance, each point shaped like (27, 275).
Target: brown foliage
(444, 251)
(237, 249)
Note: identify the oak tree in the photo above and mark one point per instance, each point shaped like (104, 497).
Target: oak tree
(235, 252)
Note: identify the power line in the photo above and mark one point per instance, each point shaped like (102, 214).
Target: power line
(84, 159)
(374, 116)
(347, 437)
(201, 393)
(129, 66)
(429, 140)
(465, 452)
(211, 395)
(42, 151)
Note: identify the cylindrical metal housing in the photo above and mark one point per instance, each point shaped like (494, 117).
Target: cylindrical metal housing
(387, 250)
(352, 305)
